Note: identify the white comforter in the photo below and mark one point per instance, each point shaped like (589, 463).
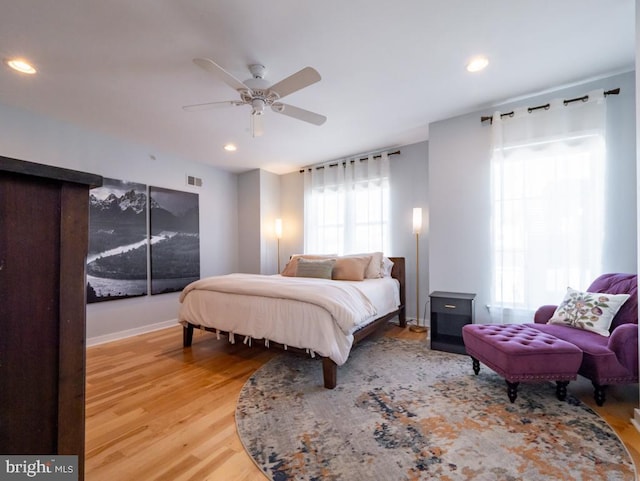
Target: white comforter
(316, 314)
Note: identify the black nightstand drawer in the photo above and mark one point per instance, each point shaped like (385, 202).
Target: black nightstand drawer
(450, 305)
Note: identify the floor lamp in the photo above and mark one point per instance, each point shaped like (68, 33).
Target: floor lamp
(417, 227)
(278, 230)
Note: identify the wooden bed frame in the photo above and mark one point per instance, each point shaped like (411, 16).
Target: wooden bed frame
(329, 367)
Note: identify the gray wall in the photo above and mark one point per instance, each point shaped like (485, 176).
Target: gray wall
(448, 177)
(249, 222)
(26, 136)
(269, 212)
(292, 212)
(409, 188)
(259, 207)
(459, 193)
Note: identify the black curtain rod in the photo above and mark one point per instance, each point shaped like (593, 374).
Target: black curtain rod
(584, 98)
(344, 162)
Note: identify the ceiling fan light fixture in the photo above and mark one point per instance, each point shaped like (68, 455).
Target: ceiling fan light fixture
(476, 64)
(258, 106)
(21, 65)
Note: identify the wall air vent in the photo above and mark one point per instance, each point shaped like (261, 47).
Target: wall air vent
(195, 181)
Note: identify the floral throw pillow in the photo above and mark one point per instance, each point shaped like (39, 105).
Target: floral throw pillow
(592, 311)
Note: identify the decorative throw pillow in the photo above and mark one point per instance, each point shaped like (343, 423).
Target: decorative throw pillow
(350, 268)
(592, 311)
(320, 269)
(290, 269)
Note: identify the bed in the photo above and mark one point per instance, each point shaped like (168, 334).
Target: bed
(299, 314)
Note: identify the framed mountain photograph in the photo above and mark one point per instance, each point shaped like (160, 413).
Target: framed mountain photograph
(174, 220)
(117, 258)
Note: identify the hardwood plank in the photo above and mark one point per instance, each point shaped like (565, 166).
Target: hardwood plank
(158, 412)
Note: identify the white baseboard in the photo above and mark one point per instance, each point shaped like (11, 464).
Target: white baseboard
(636, 419)
(115, 336)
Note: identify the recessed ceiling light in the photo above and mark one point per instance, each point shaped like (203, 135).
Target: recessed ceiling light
(477, 63)
(20, 65)
(230, 148)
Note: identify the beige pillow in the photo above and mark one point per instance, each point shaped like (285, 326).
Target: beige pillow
(375, 267)
(290, 269)
(320, 269)
(350, 268)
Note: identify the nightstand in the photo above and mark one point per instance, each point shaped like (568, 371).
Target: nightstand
(450, 311)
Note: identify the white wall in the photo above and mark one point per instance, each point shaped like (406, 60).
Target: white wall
(459, 192)
(30, 137)
(408, 184)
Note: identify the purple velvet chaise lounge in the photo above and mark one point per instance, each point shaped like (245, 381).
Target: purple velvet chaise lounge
(605, 360)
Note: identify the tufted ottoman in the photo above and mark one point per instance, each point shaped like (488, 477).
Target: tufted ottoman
(520, 353)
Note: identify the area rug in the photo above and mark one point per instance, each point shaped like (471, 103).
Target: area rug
(403, 412)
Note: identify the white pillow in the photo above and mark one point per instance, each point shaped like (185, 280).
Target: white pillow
(387, 265)
(592, 311)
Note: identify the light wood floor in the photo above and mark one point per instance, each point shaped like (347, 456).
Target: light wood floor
(158, 412)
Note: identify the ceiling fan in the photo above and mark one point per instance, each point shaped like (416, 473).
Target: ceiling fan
(257, 93)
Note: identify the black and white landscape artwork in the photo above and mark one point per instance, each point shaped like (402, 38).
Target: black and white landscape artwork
(117, 259)
(175, 239)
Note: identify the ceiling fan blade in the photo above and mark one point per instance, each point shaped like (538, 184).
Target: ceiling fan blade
(210, 105)
(222, 74)
(298, 113)
(299, 80)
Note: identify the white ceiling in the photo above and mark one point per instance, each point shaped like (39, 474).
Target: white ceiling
(389, 68)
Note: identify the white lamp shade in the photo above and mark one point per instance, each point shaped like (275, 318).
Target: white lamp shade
(278, 228)
(417, 220)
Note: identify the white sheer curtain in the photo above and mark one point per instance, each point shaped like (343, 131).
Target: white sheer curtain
(547, 172)
(346, 206)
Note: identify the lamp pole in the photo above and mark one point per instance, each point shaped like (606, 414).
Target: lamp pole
(278, 231)
(417, 226)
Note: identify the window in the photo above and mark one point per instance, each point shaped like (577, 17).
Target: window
(347, 207)
(548, 171)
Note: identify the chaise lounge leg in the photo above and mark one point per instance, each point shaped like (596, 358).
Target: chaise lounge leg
(187, 335)
(329, 373)
(561, 390)
(476, 365)
(599, 393)
(512, 390)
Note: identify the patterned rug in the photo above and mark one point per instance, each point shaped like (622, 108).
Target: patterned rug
(404, 412)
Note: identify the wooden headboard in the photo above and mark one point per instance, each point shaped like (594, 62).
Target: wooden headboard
(398, 272)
